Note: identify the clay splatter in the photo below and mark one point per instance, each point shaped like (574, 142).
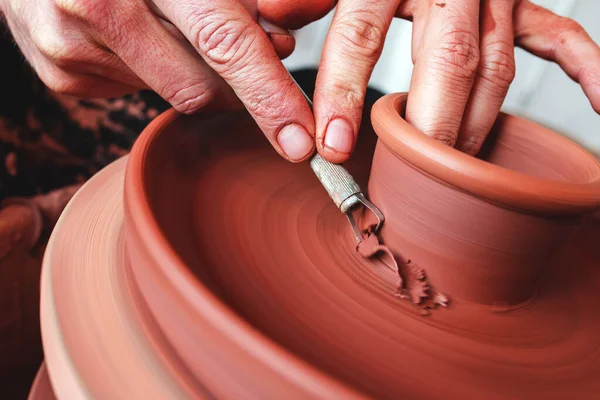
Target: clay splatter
(413, 284)
(417, 288)
(371, 247)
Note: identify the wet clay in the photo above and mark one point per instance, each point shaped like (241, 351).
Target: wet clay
(478, 242)
(254, 277)
(41, 388)
(412, 280)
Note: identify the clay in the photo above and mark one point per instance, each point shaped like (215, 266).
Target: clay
(254, 278)
(100, 341)
(42, 388)
(370, 248)
(483, 231)
(209, 267)
(412, 279)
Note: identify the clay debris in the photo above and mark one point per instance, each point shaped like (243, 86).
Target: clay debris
(413, 284)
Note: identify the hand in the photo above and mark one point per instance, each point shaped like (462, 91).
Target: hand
(463, 55)
(193, 53)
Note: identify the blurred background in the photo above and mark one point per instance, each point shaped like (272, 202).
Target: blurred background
(541, 91)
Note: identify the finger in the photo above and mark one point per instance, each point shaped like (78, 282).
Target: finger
(88, 59)
(407, 9)
(445, 68)
(240, 52)
(418, 14)
(168, 66)
(281, 39)
(283, 44)
(562, 40)
(352, 48)
(62, 41)
(294, 14)
(80, 84)
(48, 60)
(494, 76)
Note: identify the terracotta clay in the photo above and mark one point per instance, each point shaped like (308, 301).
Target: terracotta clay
(24, 223)
(227, 272)
(42, 388)
(266, 270)
(99, 340)
(483, 231)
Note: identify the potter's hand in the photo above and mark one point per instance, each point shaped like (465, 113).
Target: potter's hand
(193, 53)
(463, 51)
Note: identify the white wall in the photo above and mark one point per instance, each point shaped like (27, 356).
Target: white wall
(541, 91)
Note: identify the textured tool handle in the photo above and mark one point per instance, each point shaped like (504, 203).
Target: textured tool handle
(337, 181)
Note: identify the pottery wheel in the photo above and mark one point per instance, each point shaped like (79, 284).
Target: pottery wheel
(41, 388)
(94, 324)
(266, 239)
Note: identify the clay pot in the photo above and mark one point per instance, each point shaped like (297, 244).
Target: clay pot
(229, 356)
(231, 274)
(484, 229)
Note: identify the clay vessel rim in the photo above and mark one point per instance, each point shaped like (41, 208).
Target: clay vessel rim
(197, 298)
(455, 168)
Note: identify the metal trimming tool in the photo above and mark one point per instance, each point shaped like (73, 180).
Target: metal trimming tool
(341, 187)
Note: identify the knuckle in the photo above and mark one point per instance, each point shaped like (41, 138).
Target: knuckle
(472, 144)
(344, 93)
(55, 48)
(266, 104)
(60, 83)
(498, 66)
(458, 53)
(110, 18)
(568, 26)
(224, 42)
(85, 10)
(362, 32)
(448, 138)
(445, 131)
(565, 30)
(190, 98)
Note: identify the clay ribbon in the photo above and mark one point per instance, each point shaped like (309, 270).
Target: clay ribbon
(413, 284)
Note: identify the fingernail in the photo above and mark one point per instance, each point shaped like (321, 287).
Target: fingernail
(269, 27)
(295, 142)
(283, 41)
(339, 136)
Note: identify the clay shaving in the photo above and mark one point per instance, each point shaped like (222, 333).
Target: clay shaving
(413, 284)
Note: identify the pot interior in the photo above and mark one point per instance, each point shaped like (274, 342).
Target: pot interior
(526, 147)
